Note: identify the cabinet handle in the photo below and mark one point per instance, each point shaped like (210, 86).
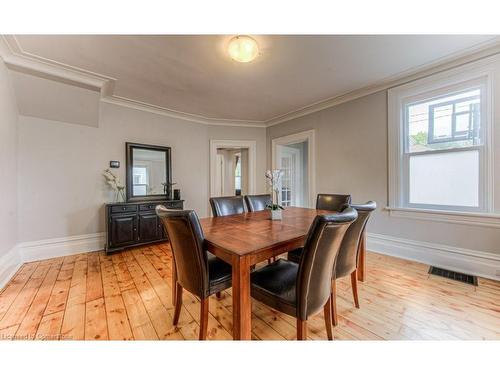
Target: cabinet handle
(135, 229)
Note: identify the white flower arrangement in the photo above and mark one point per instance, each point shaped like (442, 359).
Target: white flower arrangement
(113, 181)
(274, 181)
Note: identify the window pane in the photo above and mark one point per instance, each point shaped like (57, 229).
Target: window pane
(443, 122)
(462, 122)
(447, 122)
(448, 179)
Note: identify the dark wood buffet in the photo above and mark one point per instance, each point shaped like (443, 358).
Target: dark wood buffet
(135, 223)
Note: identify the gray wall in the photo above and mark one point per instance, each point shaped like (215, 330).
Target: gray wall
(351, 157)
(8, 163)
(61, 189)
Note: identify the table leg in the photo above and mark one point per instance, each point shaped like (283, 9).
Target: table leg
(242, 307)
(362, 258)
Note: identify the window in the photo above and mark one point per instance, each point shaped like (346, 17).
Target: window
(439, 145)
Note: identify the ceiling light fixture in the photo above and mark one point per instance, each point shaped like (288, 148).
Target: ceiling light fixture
(242, 48)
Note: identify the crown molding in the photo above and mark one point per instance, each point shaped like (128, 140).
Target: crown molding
(142, 106)
(17, 59)
(477, 52)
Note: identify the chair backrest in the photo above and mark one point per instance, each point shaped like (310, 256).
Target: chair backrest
(257, 202)
(318, 258)
(188, 248)
(332, 202)
(224, 206)
(347, 259)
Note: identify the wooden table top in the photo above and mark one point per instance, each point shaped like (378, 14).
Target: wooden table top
(254, 232)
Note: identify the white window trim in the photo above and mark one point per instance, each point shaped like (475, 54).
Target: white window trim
(396, 100)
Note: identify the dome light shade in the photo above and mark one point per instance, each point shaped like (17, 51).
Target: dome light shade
(242, 48)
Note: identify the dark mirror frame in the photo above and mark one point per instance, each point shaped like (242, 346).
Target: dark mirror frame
(129, 148)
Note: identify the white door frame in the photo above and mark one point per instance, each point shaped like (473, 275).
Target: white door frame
(252, 161)
(310, 137)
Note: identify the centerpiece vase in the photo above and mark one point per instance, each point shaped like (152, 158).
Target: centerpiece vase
(276, 214)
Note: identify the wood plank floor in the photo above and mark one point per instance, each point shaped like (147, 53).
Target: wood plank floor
(127, 296)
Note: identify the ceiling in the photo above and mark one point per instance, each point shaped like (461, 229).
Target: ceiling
(194, 74)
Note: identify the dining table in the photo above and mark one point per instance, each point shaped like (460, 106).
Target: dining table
(246, 239)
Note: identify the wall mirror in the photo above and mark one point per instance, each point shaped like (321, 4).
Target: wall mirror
(148, 172)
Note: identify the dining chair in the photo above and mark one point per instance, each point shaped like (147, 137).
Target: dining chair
(257, 202)
(347, 259)
(302, 290)
(197, 271)
(225, 206)
(332, 202)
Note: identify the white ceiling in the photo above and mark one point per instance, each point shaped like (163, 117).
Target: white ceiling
(193, 74)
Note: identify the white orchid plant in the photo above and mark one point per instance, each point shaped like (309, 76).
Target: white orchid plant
(113, 181)
(274, 181)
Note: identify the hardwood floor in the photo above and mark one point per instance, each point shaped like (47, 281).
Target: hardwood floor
(127, 296)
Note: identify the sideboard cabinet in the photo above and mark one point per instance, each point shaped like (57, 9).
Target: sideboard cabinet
(135, 223)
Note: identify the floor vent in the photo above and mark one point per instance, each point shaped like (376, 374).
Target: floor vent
(464, 278)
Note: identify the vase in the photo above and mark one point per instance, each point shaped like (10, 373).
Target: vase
(120, 196)
(276, 215)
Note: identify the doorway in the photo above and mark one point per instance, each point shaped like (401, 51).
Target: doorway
(294, 155)
(232, 167)
(231, 173)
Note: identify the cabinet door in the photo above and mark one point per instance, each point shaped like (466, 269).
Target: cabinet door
(123, 230)
(148, 227)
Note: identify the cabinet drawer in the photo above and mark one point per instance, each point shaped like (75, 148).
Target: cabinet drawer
(127, 208)
(174, 205)
(149, 206)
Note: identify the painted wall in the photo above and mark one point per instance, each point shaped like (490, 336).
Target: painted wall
(61, 189)
(8, 163)
(351, 157)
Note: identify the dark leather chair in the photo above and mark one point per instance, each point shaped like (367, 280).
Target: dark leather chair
(347, 260)
(302, 290)
(332, 202)
(257, 202)
(225, 206)
(197, 271)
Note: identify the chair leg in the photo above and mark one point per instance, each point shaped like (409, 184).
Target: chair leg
(328, 319)
(354, 283)
(218, 295)
(174, 282)
(204, 318)
(301, 329)
(333, 300)
(178, 303)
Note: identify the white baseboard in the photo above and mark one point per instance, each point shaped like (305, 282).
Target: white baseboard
(9, 264)
(58, 247)
(453, 258)
(458, 259)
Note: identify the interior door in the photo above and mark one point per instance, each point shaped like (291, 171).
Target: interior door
(219, 176)
(289, 163)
